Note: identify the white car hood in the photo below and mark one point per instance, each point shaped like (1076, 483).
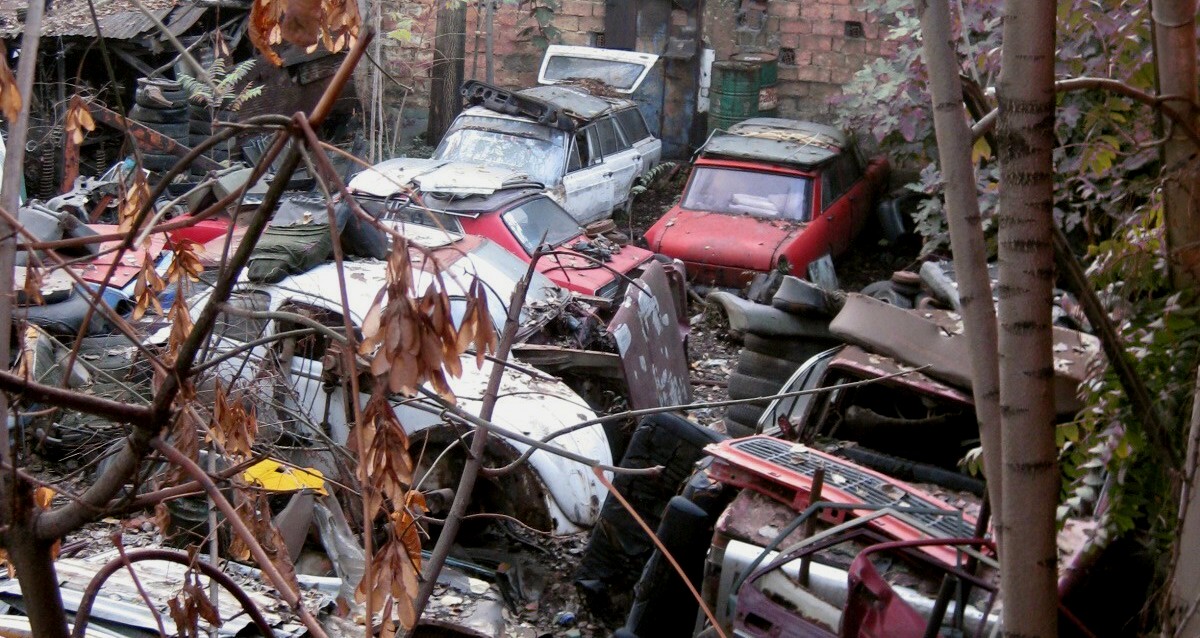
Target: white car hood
(434, 176)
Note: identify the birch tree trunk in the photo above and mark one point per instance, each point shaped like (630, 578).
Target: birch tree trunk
(966, 232)
(1025, 136)
(1175, 56)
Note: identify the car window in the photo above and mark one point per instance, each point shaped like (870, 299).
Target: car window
(614, 73)
(538, 218)
(537, 151)
(838, 177)
(401, 210)
(585, 150)
(610, 140)
(766, 195)
(633, 124)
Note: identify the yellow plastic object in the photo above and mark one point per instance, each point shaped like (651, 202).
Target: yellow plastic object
(274, 476)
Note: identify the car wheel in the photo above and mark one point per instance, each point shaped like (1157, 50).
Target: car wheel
(795, 350)
(765, 366)
(743, 386)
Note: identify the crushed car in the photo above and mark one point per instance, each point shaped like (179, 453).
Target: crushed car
(577, 133)
(506, 207)
(769, 194)
(297, 384)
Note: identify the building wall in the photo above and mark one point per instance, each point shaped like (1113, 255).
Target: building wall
(820, 43)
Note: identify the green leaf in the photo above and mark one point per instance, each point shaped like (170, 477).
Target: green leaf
(544, 16)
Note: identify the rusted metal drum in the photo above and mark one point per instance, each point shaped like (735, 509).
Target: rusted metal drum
(768, 78)
(734, 93)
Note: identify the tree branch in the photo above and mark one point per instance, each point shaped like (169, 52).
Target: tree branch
(988, 122)
(86, 403)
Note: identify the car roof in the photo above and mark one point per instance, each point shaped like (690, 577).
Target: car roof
(576, 101)
(771, 139)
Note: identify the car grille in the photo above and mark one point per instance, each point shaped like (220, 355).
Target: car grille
(784, 471)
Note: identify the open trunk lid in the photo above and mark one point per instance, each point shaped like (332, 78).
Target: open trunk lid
(624, 71)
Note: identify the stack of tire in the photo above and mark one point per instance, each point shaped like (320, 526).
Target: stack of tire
(773, 350)
(161, 105)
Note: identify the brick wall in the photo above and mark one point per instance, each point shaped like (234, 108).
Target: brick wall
(820, 43)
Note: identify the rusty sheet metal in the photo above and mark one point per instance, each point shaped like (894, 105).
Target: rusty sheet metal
(647, 331)
(147, 138)
(935, 338)
(867, 364)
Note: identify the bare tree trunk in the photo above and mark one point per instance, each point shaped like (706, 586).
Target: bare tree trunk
(1181, 618)
(966, 232)
(1025, 135)
(1175, 56)
(446, 74)
(30, 556)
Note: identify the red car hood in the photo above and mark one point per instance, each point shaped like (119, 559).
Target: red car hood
(731, 241)
(573, 271)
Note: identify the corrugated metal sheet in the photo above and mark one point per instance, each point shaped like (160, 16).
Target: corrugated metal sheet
(119, 19)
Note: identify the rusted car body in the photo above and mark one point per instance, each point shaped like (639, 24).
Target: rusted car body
(572, 134)
(769, 194)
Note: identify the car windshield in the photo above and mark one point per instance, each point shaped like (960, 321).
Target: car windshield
(537, 151)
(538, 218)
(766, 195)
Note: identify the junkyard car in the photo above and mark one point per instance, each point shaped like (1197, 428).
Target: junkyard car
(504, 206)
(587, 148)
(296, 384)
(769, 194)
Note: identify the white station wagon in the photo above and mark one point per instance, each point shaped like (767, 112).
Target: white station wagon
(571, 133)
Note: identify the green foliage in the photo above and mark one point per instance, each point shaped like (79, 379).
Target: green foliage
(651, 178)
(538, 22)
(223, 93)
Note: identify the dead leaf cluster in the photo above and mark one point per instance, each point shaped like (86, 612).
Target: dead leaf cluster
(234, 426)
(10, 95)
(413, 340)
(333, 24)
(79, 120)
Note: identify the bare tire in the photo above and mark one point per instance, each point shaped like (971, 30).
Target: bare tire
(765, 366)
(795, 350)
(742, 386)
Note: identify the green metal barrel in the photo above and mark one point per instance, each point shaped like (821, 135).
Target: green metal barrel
(733, 95)
(768, 77)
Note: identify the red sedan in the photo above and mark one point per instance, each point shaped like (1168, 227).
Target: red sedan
(769, 194)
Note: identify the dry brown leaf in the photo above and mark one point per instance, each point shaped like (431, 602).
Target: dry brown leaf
(10, 95)
(386, 465)
(233, 427)
(301, 24)
(186, 262)
(255, 512)
(135, 196)
(304, 23)
(146, 290)
(79, 121)
(264, 21)
(33, 285)
(191, 605)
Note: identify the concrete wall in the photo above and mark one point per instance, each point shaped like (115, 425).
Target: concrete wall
(820, 43)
